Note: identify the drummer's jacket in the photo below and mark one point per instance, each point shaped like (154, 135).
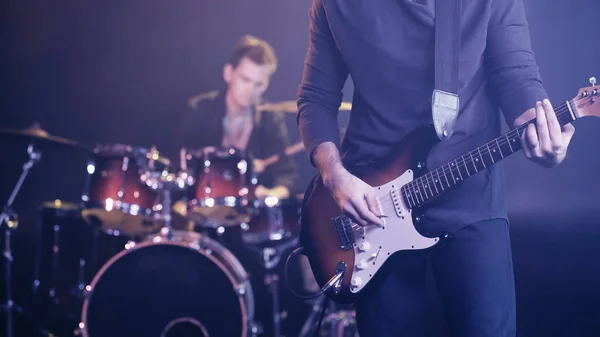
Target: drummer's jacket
(201, 125)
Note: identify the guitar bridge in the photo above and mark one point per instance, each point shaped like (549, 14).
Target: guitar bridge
(345, 233)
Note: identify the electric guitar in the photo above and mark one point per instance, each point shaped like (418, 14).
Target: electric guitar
(345, 256)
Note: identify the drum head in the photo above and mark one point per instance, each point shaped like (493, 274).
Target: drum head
(166, 289)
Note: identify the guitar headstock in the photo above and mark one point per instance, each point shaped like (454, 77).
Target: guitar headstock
(588, 100)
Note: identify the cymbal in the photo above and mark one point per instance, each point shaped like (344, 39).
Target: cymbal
(39, 134)
(292, 107)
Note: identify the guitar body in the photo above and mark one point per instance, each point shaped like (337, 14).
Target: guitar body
(372, 245)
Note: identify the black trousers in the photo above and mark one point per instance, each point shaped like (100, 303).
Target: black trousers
(474, 279)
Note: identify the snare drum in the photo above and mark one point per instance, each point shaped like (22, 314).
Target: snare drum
(186, 286)
(220, 181)
(122, 188)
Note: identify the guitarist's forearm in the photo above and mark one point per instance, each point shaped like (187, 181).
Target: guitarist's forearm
(327, 159)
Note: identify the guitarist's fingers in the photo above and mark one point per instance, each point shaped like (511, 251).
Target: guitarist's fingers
(350, 210)
(525, 143)
(554, 128)
(568, 131)
(541, 123)
(372, 203)
(363, 211)
(532, 143)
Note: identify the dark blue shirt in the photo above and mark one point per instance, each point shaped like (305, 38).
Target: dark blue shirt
(387, 48)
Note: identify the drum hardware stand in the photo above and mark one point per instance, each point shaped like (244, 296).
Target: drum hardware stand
(167, 229)
(337, 319)
(271, 258)
(5, 216)
(318, 306)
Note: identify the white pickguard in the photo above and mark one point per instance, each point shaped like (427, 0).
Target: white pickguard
(377, 244)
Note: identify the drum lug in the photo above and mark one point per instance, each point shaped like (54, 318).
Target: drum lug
(87, 292)
(255, 329)
(241, 289)
(79, 330)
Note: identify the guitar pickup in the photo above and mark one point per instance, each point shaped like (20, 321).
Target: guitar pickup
(344, 231)
(396, 200)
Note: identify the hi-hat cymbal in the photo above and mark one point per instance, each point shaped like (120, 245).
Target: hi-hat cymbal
(39, 134)
(292, 107)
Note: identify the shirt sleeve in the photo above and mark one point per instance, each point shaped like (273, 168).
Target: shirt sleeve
(320, 91)
(510, 62)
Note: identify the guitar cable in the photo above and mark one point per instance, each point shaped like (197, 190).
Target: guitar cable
(297, 251)
(321, 291)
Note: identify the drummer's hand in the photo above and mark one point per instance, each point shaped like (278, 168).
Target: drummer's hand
(259, 166)
(179, 207)
(281, 192)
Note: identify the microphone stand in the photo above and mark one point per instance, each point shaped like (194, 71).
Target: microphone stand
(5, 216)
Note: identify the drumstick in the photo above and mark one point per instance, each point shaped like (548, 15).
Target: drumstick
(291, 150)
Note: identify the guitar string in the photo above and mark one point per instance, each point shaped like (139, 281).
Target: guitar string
(479, 152)
(423, 182)
(387, 205)
(473, 156)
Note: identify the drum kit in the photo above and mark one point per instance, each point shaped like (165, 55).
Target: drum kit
(123, 262)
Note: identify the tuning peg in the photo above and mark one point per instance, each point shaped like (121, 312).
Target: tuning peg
(593, 81)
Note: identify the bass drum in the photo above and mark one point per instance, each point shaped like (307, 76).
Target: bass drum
(188, 285)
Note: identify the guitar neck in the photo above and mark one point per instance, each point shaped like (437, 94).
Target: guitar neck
(430, 185)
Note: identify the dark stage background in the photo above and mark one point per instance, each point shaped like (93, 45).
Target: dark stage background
(121, 72)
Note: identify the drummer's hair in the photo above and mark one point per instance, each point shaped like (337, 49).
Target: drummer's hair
(257, 50)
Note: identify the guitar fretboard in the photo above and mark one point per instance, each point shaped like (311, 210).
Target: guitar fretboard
(435, 182)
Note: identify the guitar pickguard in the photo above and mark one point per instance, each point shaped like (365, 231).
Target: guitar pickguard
(374, 245)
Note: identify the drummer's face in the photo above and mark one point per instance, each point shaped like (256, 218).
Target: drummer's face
(247, 82)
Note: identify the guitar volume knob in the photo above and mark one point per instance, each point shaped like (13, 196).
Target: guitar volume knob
(364, 246)
(363, 264)
(356, 282)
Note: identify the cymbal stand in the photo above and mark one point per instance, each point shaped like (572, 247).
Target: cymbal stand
(6, 214)
(167, 230)
(160, 183)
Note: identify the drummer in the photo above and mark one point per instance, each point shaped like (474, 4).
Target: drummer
(230, 118)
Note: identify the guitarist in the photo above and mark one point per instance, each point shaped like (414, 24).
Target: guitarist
(229, 118)
(388, 49)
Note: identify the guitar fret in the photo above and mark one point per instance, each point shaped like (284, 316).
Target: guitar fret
(481, 157)
(406, 195)
(434, 183)
(439, 179)
(473, 161)
(413, 195)
(499, 148)
(465, 166)
(418, 193)
(490, 152)
(452, 171)
(425, 185)
(508, 140)
(445, 176)
(409, 195)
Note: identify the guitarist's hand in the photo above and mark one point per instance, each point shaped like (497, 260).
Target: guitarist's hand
(544, 142)
(352, 195)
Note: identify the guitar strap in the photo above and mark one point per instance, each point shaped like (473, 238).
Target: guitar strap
(445, 101)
